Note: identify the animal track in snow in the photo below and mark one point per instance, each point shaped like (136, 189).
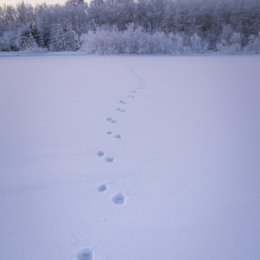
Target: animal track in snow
(120, 109)
(102, 188)
(133, 91)
(122, 102)
(109, 159)
(85, 254)
(111, 120)
(100, 153)
(131, 96)
(118, 136)
(118, 199)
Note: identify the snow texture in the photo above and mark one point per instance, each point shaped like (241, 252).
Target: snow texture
(183, 181)
(85, 254)
(102, 188)
(119, 199)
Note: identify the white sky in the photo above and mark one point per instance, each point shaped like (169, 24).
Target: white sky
(34, 2)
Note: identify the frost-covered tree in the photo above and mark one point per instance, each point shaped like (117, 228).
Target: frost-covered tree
(25, 15)
(235, 43)
(197, 44)
(74, 2)
(177, 43)
(230, 41)
(57, 38)
(215, 25)
(25, 40)
(8, 41)
(43, 23)
(130, 41)
(71, 39)
(253, 45)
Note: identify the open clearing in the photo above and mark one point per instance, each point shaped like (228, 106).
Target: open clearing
(129, 158)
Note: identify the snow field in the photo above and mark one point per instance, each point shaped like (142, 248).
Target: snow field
(129, 158)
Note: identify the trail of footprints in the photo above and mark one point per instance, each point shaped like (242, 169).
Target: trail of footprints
(119, 198)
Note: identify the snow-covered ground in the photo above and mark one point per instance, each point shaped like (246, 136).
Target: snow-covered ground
(129, 158)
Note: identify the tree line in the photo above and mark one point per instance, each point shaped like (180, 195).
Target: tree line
(109, 26)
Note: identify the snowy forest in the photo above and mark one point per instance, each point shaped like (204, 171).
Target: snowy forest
(133, 27)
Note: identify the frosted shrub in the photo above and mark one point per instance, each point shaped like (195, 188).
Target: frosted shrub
(197, 44)
(102, 42)
(133, 27)
(235, 43)
(7, 41)
(108, 41)
(35, 50)
(253, 45)
(25, 40)
(177, 43)
(130, 41)
(230, 41)
(232, 47)
(157, 43)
